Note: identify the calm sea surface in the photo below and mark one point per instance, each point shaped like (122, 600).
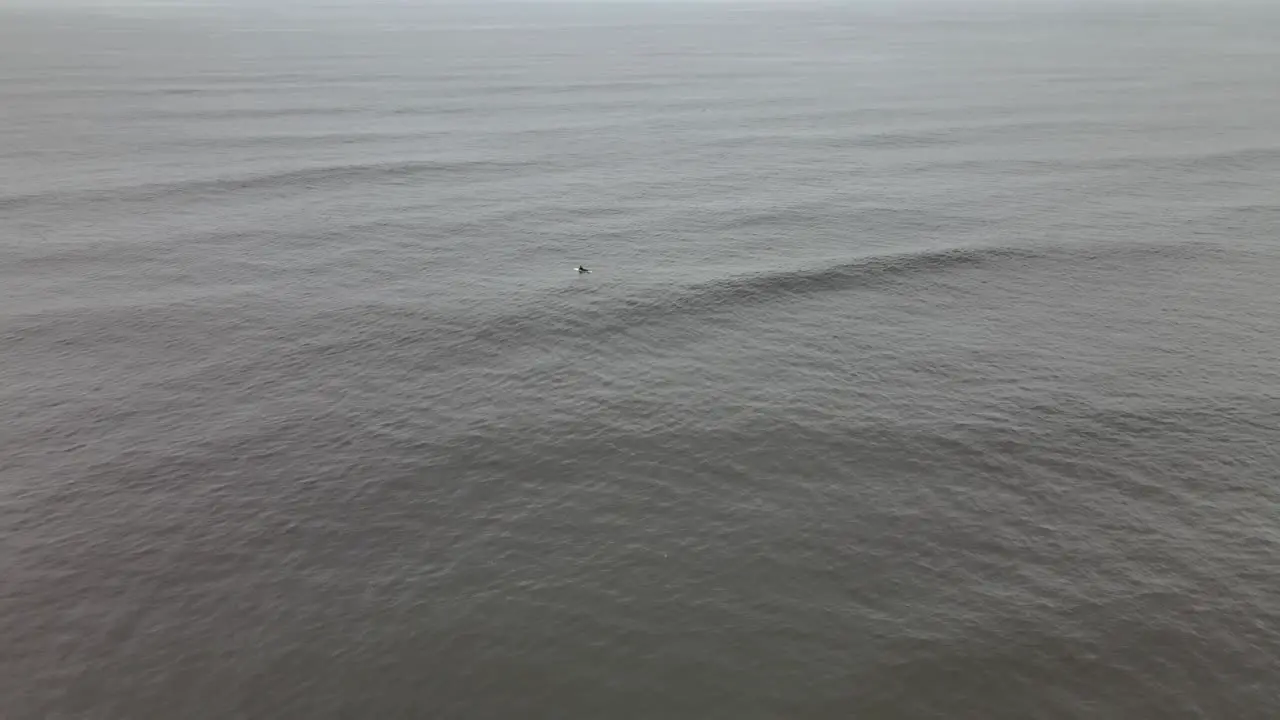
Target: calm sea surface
(929, 366)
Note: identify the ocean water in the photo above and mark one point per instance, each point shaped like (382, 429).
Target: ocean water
(929, 366)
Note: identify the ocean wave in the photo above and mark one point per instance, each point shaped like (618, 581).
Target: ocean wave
(304, 179)
(258, 113)
(1234, 159)
(563, 314)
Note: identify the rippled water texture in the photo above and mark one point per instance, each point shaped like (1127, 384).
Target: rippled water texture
(928, 367)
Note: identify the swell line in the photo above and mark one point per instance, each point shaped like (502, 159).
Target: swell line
(298, 180)
(562, 318)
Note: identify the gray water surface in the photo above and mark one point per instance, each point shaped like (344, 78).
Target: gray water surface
(929, 366)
